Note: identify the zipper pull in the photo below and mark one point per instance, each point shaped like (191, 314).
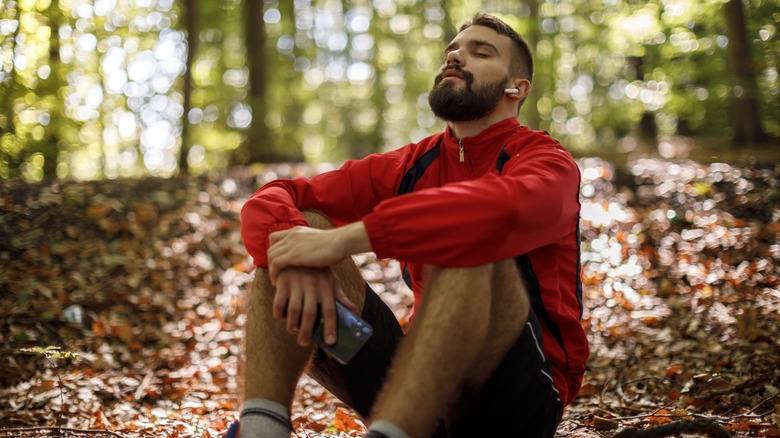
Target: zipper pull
(462, 150)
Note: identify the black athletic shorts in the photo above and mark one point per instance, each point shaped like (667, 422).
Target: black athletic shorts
(519, 400)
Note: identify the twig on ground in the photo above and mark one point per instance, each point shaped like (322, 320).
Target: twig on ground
(708, 427)
(717, 392)
(761, 403)
(139, 392)
(60, 429)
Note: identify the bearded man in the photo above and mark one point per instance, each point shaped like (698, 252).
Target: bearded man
(484, 218)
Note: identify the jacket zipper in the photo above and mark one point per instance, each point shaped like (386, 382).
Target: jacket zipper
(462, 150)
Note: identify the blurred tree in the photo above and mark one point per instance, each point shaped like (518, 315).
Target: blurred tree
(11, 150)
(105, 88)
(191, 29)
(742, 66)
(530, 33)
(259, 144)
(49, 90)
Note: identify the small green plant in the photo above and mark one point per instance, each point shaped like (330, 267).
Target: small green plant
(51, 353)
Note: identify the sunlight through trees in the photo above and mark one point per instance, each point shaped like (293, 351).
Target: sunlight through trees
(102, 89)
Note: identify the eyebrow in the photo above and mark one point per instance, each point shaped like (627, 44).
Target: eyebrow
(477, 43)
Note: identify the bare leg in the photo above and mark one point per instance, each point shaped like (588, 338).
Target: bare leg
(467, 322)
(274, 360)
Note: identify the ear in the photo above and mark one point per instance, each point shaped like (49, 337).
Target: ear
(523, 88)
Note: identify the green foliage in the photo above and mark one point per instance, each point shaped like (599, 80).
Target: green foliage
(91, 91)
(52, 352)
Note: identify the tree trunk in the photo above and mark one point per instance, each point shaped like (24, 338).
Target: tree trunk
(293, 106)
(191, 27)
(449, 27)
(52, 85)
(648, 131)
(747, 124)
(258, 147)
(530, 107)
(379, 97)
(8, 92)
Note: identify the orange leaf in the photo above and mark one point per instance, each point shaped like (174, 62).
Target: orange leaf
(741, 424)
(124, 331)
(674, 370)
(46, 385)
(99, 327)
(97, 211)
(659, 419)
(771, 432)
(343, 421)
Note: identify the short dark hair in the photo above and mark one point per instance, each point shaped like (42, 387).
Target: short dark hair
(522, 63)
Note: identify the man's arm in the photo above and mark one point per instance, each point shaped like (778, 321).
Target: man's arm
(533, 203)
(345, 195)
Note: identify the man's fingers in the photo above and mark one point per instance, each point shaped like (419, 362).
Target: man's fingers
(304, 321)
(327, 285)
(281, 300)
(342, 298)
(276, 254)
(275, 263)
(308, 319)
(300, 293)
(276, 236)
(273, 271)
(294, 306)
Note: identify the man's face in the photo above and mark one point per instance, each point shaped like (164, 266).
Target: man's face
(471, 82)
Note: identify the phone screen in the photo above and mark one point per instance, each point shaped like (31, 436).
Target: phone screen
(352, 332)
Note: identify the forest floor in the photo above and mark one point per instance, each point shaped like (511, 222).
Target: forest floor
(136, 285)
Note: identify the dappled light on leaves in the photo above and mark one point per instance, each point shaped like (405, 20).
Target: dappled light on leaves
(681, 274)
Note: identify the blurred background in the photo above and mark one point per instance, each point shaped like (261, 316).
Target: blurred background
(94, 89)
(132, 132)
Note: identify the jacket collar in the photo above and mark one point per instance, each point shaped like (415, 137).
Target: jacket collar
(496, 134)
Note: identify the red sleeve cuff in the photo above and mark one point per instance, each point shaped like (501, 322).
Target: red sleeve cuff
(380, 241)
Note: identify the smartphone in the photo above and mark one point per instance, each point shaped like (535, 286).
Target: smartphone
(352, 333)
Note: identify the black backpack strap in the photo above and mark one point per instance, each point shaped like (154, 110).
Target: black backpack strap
(418, 169)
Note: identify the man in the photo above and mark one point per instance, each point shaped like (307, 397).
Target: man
(484, 218)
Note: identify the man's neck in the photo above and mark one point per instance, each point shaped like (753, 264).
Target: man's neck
(471, 128)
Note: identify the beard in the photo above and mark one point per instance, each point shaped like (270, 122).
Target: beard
(469, 103)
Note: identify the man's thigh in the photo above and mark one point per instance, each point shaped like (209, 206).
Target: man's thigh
(519, 399)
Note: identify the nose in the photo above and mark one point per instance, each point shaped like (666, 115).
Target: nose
(453, 57)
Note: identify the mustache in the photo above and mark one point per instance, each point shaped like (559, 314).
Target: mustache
(466, 75)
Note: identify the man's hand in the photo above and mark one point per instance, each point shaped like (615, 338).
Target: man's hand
(314, 248)
(298, 265)
(304, 246)
(299, 292)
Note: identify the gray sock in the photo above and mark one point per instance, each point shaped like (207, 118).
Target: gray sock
(386, 429)
(264, 418)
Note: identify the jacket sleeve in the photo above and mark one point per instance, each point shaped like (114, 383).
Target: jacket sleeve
(533, 203)
(345, 195)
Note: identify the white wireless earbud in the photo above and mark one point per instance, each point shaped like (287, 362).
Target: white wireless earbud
(511, 90)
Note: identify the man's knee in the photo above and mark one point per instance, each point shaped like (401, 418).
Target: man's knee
(466, 273)
(262, 290)
(317, 220)
(507, 275)
(500, 282)
(499, 273)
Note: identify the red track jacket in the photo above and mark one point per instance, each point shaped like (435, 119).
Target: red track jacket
(515, 194)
